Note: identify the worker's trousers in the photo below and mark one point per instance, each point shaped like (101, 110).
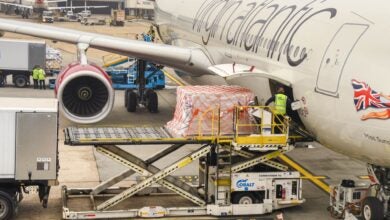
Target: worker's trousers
(35, 83)
(42, 84)
(278, 124)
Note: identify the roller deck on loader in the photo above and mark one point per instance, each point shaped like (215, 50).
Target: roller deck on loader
(238, 173)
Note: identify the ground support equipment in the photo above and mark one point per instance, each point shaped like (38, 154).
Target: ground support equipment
(230, 180)
(362, 200)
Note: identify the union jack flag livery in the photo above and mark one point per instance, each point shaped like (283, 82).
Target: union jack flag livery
(365, 97)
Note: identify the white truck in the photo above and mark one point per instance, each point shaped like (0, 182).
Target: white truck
(47, 17)
(28, 150)
(18, 58)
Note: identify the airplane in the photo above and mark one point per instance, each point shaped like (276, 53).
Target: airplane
(39, 6)
(24, 6)
(332, 55)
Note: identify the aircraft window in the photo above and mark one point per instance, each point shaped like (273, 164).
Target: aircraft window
(296, 51)
(303, 52)
(265, 43)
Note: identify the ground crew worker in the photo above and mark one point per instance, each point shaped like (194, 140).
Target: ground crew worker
(35, 73)
(152, 33)
(41, 77)
(147, 37)
(281, 101)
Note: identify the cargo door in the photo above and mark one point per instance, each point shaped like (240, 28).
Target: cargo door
(7, 145)
(36, 146)
(336, 56)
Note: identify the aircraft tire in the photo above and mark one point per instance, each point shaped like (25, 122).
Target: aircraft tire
(7, 207)
(372, 209)
(127, 91)
(131, 102)
(152, 101)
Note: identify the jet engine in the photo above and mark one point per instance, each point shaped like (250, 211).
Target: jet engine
(85, 93)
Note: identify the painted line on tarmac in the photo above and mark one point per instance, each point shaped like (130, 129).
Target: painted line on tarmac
(316, 177)
(306, 174)
(364, 177)
(177, 81)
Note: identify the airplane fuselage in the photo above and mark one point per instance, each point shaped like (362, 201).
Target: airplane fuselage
(334, 54)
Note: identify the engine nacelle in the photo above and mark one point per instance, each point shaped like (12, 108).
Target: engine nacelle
(85, 93)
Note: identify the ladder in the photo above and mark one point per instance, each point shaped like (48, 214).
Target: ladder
(223, 174)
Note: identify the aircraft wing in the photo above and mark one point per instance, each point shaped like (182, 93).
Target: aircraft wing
(76, 7)
(55, 1)
(181, 58)
(17, 5)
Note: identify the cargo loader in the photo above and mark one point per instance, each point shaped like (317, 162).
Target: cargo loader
(238, 172)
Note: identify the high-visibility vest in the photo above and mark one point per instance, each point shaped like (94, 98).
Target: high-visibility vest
(280, 104)
(35, 73)
(41, 74)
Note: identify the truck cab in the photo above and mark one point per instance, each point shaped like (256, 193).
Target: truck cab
(47, 17)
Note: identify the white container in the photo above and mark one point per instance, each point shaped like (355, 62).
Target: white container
(28, 138)
(21, 55)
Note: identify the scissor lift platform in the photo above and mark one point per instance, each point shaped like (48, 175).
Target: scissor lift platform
(217, 170)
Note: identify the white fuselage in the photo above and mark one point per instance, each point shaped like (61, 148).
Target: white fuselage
(330, 43)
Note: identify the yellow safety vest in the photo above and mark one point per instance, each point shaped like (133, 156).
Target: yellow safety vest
(41, 74)
(35, 73)
(280, 104)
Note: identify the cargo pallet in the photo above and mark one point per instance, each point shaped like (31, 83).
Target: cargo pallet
(222, 160)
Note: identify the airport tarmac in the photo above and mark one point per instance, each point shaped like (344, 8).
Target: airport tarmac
(83, 167)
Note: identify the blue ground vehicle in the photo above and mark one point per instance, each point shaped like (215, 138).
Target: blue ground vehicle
(127, 78)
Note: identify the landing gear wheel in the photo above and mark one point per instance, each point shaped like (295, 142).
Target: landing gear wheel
(131, 102)
(20, 81)
(152, 101)
(127, 91)
(243, 198)
(372, 209)
(7, 208)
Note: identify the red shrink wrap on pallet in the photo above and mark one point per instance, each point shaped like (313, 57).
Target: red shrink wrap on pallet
(197, 110)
